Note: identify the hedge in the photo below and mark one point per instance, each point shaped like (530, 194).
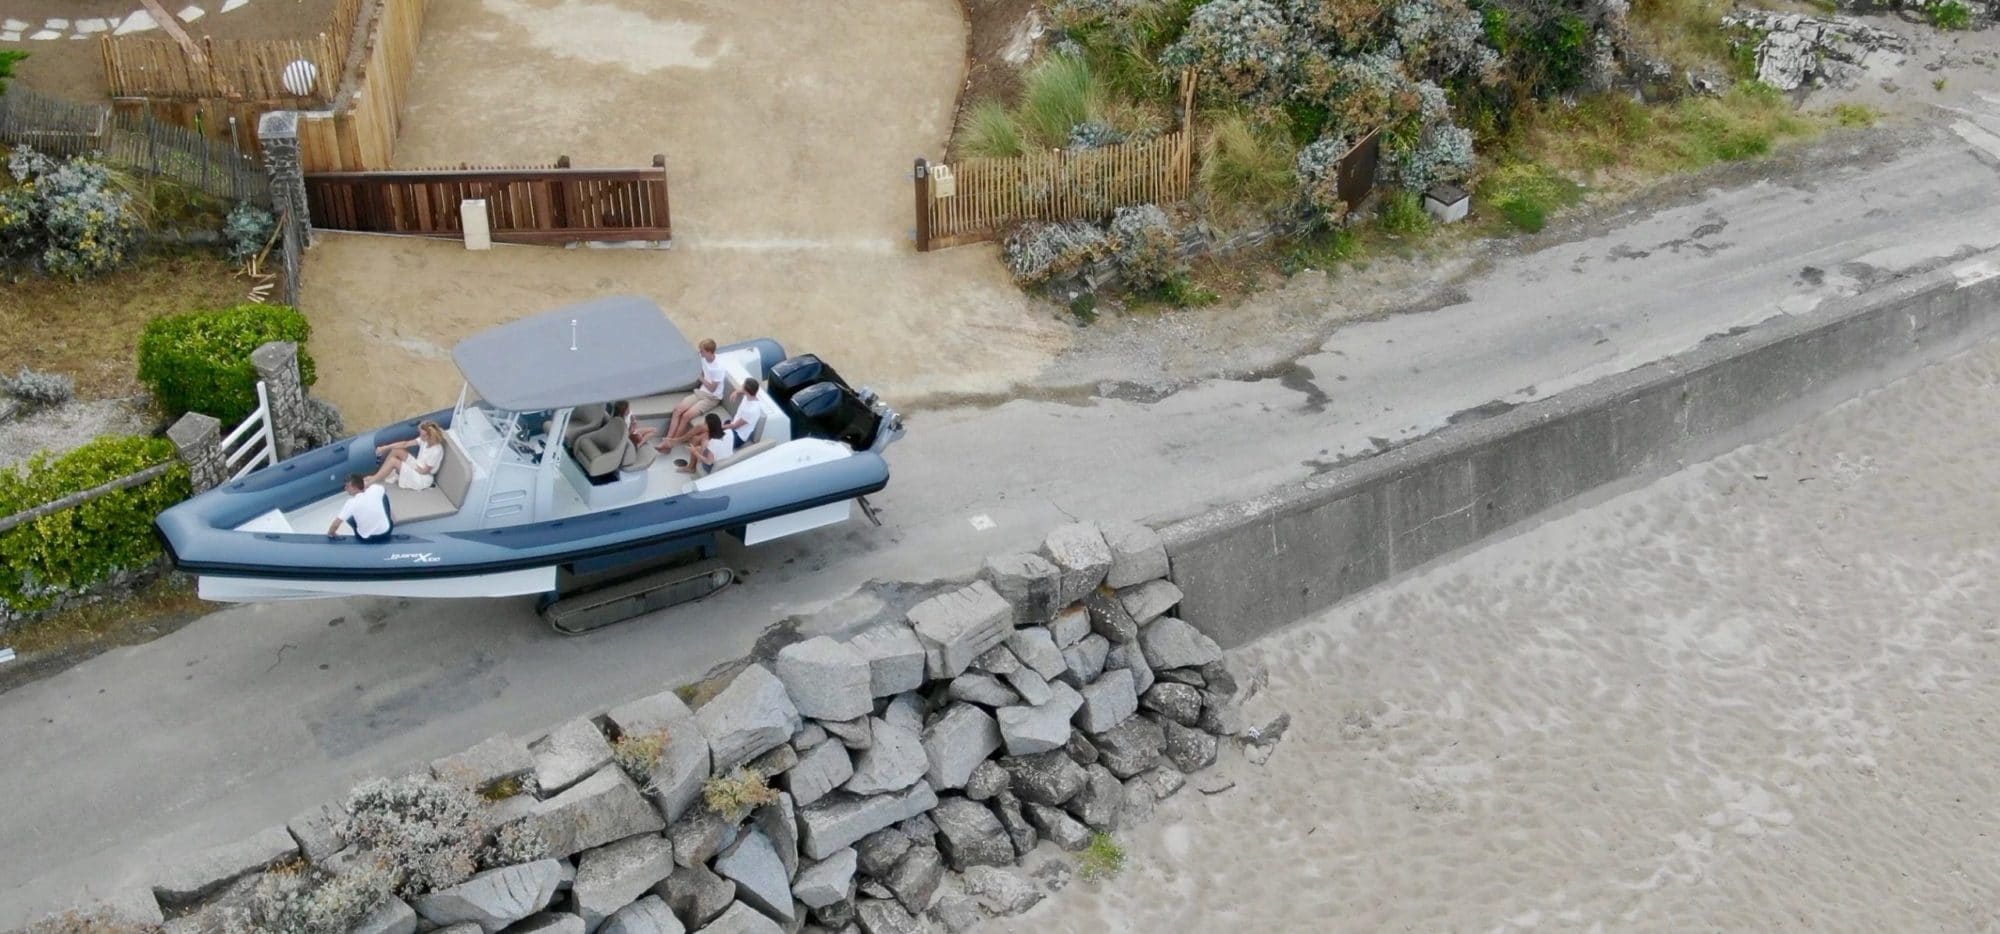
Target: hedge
(73, 550)
(199, 361)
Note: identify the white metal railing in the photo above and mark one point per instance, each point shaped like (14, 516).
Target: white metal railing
(252, 443)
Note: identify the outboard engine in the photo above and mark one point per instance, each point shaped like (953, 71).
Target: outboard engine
(827, 407)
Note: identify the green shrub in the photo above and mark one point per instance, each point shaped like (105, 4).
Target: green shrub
(990, 130)
(247, 228)
(200, 361)
(1402, 212)
(1950, 15)
(8, 59)
(1183, 292)
(75, 549)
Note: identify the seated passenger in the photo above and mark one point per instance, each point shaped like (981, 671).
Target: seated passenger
(709, 445)
(418, 472)
(633, 430)
(708, 395)
(366, 511)
(749, 413)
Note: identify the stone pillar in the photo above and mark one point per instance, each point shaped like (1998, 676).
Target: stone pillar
(278, 131)
(277, 365)
(198, 440)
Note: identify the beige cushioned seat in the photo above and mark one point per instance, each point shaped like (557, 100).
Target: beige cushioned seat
(444, 496)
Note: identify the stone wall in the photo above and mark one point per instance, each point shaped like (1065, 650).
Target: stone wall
(1256, 566)
(913, 764)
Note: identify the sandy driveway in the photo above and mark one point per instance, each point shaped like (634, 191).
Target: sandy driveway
(789, 131)
(1754, 696)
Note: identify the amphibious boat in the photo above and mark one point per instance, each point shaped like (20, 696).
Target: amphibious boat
(541, 491)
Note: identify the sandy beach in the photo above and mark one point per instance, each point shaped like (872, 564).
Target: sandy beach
(1757, 695)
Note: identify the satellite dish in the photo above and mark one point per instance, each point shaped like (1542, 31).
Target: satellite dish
(300, 76)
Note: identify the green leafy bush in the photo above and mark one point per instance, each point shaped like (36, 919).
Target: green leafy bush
(200, 361)
(75, 549)
(1403, 213)
(1102, 859)
(1950, 15)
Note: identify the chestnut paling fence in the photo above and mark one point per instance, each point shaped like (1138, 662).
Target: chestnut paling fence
(133, 141)
(976, 199)
(234, 69)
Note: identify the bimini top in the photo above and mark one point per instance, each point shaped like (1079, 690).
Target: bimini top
(620, 347)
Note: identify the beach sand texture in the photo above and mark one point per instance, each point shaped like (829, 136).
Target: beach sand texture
(1758, 695)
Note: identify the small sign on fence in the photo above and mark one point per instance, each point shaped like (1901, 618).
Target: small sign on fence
(943, 185)
(478, 229)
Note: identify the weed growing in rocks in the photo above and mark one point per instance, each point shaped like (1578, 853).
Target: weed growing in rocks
(523, 784)
(734, 794)
(513, 845)
(425, 832)
(1102, 859)
(311, 902)
(639, 753)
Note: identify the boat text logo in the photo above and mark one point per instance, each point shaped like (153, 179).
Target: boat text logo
(420, 557)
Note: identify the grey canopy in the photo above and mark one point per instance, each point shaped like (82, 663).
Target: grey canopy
(624, 347)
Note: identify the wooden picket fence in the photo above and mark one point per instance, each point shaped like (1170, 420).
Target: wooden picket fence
(133, 141)
(538, 205)
(235, 69)
(976, 199)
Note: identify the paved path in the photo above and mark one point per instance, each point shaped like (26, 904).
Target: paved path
(247, 716)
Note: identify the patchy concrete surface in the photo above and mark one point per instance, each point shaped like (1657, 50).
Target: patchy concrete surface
(1752, 696)
(251, 714)
(254, 713)
(789, 131)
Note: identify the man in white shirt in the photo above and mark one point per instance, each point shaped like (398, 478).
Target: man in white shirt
(708, 395)
(366, 511)
(749, 412)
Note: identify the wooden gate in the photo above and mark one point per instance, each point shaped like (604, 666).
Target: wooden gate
(552, 204)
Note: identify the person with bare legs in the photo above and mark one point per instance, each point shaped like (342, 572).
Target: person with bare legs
(708, 395)
(412, 471)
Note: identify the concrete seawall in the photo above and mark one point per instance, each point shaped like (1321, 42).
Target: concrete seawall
(1254, 567)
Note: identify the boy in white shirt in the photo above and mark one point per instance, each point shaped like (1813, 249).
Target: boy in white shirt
(749, 412)
(366, 511)
(708, 395)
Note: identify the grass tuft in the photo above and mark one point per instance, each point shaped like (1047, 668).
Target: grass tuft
(1526, 194)
(990, 130)
(1058, 94)
(1244, 166)
(1402, 213)
(1102, 859)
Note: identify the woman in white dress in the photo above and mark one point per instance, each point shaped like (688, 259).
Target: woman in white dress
(413, 471)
